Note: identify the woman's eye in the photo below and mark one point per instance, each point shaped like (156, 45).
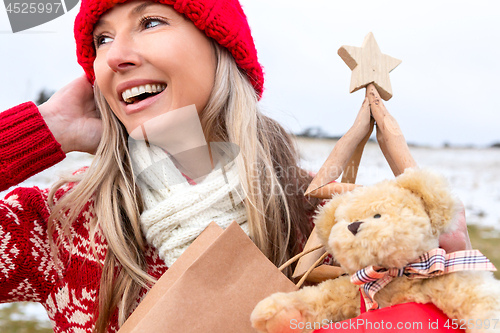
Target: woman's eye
(377, 216)
(151, 22)
(101, 40)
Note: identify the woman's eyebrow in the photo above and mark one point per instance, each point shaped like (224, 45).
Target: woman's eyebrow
(136, 11)
(140, 8)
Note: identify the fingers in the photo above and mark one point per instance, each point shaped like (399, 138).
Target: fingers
(462, 226)
(85, 84)
(72, 117)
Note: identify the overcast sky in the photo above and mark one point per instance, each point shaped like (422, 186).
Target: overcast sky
(444, 91)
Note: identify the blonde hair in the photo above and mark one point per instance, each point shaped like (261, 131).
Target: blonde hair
(274, 184)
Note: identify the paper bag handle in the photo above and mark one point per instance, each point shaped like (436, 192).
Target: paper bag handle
(300, 255)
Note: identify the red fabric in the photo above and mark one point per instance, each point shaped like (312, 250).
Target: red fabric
(222, 20)
(362, 308)
(26, 145)
(190, 181)
(407, 317)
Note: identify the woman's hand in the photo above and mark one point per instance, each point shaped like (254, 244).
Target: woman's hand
(72, 118)
(457, 240)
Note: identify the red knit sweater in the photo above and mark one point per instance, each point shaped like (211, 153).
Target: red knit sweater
(27, 270)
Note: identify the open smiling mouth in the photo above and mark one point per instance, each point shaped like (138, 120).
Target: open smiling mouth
(140, 93)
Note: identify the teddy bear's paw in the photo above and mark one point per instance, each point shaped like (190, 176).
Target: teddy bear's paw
(278, 313)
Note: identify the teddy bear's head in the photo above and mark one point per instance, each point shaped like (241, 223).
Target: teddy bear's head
(390, 223)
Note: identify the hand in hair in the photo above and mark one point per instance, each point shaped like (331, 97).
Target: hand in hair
(72, 117)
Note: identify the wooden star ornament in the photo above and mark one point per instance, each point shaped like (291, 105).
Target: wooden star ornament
(369, 65)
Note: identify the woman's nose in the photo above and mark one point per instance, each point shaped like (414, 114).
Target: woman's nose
(121, 55)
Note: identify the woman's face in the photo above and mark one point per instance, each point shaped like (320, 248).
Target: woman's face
(151, 60)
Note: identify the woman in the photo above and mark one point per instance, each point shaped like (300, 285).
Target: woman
(80, 249)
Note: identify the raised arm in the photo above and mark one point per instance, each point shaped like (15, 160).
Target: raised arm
(34, 138)
(26, 145)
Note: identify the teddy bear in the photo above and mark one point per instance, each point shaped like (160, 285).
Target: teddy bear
(385, 236)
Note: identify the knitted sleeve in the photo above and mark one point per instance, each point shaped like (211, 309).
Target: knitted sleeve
(27, 271)
(26, 145)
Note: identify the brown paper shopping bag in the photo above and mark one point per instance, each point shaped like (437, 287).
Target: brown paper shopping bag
(212, 287)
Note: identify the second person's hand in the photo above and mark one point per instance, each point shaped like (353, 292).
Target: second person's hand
(72, 117)
(458, 239)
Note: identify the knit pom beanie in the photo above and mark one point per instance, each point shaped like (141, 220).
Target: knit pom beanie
(222, 20)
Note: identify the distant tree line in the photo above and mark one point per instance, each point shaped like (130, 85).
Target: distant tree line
(316, 132)
(43, 96)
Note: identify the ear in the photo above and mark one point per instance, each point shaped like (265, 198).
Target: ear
(435, 193)
(325, 217)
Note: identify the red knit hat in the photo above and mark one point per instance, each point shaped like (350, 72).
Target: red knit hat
(222, 20)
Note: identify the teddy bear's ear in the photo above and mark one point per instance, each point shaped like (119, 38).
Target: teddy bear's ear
(325, 217)
(434, 190)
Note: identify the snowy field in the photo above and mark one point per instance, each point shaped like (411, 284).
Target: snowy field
(473, 173)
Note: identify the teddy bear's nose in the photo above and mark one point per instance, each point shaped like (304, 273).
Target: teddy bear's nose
(353, 227)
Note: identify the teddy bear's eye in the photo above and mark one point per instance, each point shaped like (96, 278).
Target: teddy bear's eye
(377, 216)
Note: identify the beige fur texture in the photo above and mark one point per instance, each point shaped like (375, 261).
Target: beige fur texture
(401, 220)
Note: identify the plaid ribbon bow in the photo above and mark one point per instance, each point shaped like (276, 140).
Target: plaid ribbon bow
(433, 263)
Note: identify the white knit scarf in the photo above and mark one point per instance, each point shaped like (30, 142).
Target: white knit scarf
(177, 212)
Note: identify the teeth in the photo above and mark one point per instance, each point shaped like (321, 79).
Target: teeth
(136, 91)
